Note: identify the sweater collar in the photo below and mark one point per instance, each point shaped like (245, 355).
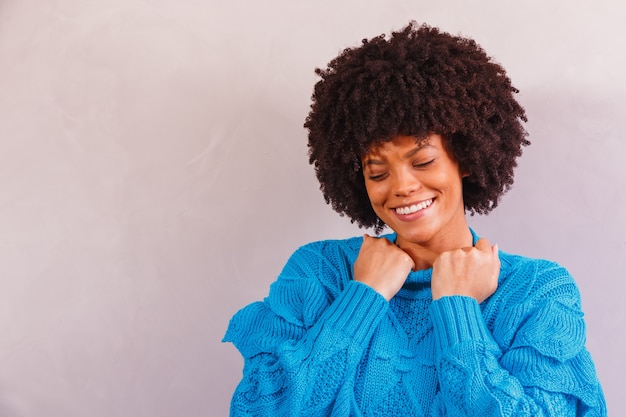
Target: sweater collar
(422, 276)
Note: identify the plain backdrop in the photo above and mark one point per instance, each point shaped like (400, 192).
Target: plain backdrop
(154, 179)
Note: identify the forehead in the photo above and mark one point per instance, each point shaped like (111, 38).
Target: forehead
(403, 143)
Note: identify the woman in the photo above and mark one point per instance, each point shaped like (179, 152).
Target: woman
(410, 132)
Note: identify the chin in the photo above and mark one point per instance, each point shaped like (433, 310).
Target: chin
(416, 236)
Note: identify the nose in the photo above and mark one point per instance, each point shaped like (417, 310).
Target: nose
(405, 183)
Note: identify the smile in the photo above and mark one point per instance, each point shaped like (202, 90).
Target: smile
(414, 208)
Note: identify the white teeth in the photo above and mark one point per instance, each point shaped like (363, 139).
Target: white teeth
(415, 207)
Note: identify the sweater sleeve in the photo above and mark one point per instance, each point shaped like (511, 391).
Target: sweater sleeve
(302, 344)
(537, 367)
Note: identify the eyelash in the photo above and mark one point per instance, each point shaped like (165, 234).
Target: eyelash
(417, 166)
(377, 177)
(425, 164)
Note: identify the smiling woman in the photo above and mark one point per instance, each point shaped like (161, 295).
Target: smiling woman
(411, 131)
(415, 188)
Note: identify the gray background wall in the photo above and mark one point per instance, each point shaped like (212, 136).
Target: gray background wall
(154, 179)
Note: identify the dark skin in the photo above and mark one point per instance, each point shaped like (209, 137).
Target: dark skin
(415, 188)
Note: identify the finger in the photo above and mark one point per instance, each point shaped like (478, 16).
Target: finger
(410, 260)
(496, 264)
(496, 253)
(483, 244)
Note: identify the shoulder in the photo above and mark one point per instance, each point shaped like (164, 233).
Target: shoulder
(322, 257)
(312, 278)
(535, 278)
(536, 298)
(330, 248)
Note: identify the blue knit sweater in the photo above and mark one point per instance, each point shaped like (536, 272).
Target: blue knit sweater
(322, 344)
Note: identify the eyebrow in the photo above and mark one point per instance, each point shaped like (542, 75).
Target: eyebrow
(409, 154)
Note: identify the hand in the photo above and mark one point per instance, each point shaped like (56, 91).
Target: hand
(382, 266)
(471, 272)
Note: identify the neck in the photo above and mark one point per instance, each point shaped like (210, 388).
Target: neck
(424, 254)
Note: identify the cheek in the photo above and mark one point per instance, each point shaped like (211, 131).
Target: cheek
(450, 181)
(374, 193)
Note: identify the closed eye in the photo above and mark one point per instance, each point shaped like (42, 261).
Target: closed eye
(378, 177)
(424, 164)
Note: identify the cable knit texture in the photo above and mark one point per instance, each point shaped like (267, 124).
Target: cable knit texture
(322, 344)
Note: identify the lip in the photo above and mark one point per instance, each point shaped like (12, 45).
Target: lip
(413, 216)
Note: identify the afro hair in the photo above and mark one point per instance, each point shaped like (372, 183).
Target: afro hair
(416, 82)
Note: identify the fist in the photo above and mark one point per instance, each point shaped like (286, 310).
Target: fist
(471, 272)
(382, 266)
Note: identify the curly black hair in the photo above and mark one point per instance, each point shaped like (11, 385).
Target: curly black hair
(417, 82)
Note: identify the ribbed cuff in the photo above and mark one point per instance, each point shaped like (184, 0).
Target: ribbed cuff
(357, 312)
(457, 319)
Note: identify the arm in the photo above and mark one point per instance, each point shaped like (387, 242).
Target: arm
(300, 346)
(531, 363)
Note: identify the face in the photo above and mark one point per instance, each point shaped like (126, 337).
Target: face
(415, 187)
